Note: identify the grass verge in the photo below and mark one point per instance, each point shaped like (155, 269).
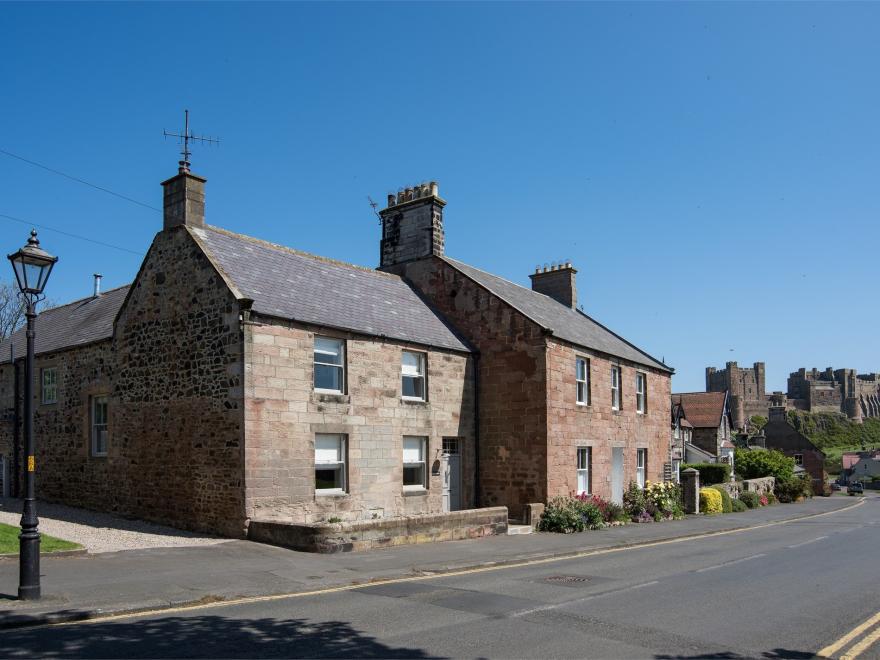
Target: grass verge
(9, 542)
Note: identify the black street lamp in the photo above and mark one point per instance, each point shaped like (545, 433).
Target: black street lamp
(32, 266)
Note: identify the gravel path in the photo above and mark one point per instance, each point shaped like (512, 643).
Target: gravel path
(102, 532)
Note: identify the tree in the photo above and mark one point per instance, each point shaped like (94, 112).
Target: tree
(11, 309)
(757, 463)
(756, 423)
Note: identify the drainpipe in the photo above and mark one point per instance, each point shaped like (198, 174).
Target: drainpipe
(477, 430)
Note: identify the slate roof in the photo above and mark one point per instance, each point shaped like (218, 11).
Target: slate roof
(290, 284)
(74, 324)
(702, 409)
(569, 324)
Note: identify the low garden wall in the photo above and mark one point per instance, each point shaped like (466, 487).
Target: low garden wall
(370, 534)
(762, 486)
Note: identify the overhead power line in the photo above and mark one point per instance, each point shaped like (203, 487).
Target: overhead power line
(69, 234)
(78, 180)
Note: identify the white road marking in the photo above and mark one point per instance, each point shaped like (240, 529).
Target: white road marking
(553, 606)
(729, 563)
(798, 545)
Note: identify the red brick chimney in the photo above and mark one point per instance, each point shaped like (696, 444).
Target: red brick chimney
(558, 282)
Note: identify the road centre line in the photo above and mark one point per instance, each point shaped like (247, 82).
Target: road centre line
(867, 642)
(798, 545)
(437, 575)
(553, 606)
(729, 563)
(834, 647)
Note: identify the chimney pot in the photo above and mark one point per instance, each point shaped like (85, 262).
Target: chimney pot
(392, 198)
(97, 287)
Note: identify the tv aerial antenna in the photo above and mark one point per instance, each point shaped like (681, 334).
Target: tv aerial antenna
(185, 138)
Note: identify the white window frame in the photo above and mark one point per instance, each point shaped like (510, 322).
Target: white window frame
(641, 467)
(96, 426)
(340, 463)
(423, 463)
(615, 387)
(52, 387)
(641, 392)
(584, 458)
(582, 385)
(419, 375)
(316, 362)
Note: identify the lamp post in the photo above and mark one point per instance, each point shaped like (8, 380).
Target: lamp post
(32, 266)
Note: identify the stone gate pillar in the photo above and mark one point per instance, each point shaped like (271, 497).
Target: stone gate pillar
(690, 490)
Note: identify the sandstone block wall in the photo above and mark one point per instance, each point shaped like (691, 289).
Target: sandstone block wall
(283, 414)
(512, 381)
(571, 425)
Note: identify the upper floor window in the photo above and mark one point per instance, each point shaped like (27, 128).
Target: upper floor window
(582, 376)
(329, 364)
(329, 463)
(414, 469)
(641, 393)
(615, 388)
(641, 467)
(49, 385)
(584, 465)
(413, 370)
(99, 426)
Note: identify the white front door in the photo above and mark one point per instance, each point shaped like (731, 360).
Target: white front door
(617, 475)
(451, 470)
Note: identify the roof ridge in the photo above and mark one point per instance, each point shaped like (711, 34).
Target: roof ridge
(299, 253)
(85, 298)
(655, 361)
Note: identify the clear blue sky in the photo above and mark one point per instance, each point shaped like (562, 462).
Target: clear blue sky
(711, 169)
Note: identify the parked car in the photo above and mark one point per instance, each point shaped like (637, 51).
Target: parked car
(855, 488)
(835, 485)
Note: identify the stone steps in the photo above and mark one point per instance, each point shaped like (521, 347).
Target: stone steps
(513, 530)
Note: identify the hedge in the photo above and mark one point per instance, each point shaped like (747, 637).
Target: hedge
(710, 501)
(726, 506)
(710, 473)
(750, 499)
(738, 506)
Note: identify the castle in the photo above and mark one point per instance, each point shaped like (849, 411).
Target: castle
(841, 390)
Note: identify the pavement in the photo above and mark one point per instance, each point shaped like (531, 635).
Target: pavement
(800, 588)
(95, 585)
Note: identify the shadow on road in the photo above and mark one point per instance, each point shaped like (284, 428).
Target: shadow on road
(775, 653)
(200, 636)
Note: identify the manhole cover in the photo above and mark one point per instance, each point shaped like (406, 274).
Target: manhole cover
(567, 579)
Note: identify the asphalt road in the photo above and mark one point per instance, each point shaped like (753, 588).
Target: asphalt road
(778, 591)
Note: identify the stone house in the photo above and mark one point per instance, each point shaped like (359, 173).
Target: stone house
(849, 460)
(709, 415)
(778, 434)
(235, 380)
(682, 440)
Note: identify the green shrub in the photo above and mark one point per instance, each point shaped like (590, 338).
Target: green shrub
(771, 498)
(634, 501)
(789, 490)
(758, 463)
(738, 506)
(726, 506)
(710, 501)
(710, 473)
(565, 515)
(750, 499)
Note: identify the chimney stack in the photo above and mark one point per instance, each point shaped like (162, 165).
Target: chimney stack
(97, 290)
(412, 225)
(557, 281)
(184, 202)
(777, 413)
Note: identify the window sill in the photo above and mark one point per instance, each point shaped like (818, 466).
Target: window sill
(330, 493)
(584, 405)
(331, 396)
(412, 491)
(413, 401)
(98, 455)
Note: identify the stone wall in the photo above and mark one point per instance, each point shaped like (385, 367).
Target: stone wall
(762, 486)
(283, 414)
(512, 377)
(176, 450)
(357, 536)
(571, 425)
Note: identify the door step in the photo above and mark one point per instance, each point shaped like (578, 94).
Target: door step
(513, 530)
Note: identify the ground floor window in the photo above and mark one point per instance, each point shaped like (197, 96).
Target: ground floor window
(99, 425)
(414, 472)
(641, 467)
(329, 463)
(798, 459)
(584, 465)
